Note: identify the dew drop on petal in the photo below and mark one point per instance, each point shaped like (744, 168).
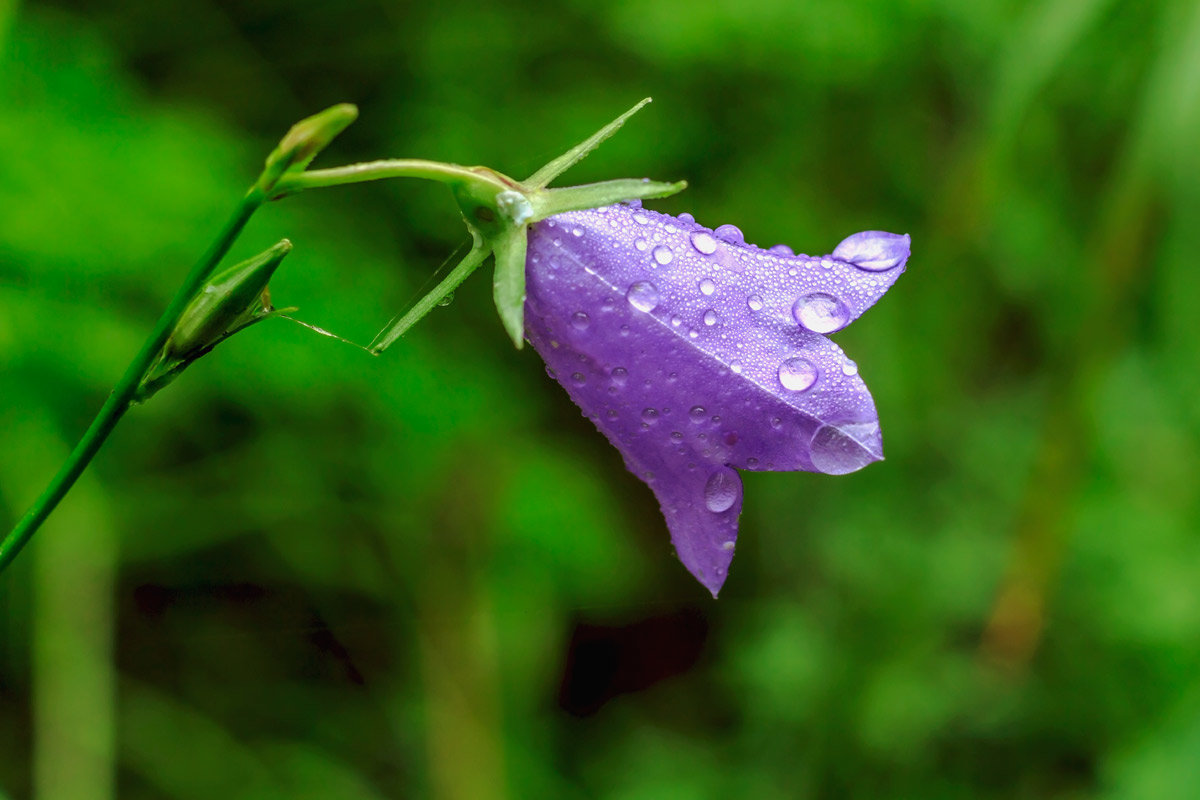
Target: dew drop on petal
(730, 233)
(579, 378)
(707, 286)
(821, 313)
(704, 242)
(710, 317)
(686, 217)
(697, 413)
(640, 219)
(650, 415)
(722, 490)
(797, 374)
(641, 244)
(849, 368)
(580, 321)
(835, 452)
(643, 296)
(754, 302)
(662, 254)
(620, 375)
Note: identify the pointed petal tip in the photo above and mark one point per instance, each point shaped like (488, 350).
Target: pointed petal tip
(842, 449)
(875, 251)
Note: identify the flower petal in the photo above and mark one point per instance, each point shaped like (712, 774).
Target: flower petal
(695, 353)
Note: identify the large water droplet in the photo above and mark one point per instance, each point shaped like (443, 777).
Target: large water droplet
(821, 313)
(641, 244)
(579, 378)
(620, 375)
(731, 233)
(643, 296)
(755, 302)
(710, 317)
(704, 242)
(697, 413)
(723, 489)
(662, 254)
(874, 251)
(849, 368)
(797, 374)
(836, 451)
(580, 321)
(640, 219)
(707, 286)
(650, 415)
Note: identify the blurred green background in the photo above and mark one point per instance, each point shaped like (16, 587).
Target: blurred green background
(301, 572)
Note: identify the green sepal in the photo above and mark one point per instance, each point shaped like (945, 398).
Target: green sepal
(509, 282)
(558, 166)
(549, 202)
(398, 327)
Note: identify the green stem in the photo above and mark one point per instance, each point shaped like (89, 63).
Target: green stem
(387, 168)
(123, 393)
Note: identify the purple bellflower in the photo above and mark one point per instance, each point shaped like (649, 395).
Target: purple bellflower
(696, 353)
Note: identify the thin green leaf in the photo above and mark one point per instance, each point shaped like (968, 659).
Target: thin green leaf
(558, 166)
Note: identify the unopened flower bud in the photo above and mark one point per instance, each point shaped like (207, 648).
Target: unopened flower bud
(227, 302)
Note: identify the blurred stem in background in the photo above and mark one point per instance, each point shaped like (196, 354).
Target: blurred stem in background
(1120, 247)
(74, 675)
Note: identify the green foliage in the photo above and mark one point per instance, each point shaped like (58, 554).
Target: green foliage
(331, 575)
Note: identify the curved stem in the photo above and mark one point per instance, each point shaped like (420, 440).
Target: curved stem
(123, 393)
(386, 168)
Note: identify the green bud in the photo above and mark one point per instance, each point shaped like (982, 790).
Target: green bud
(304, 141)
(229, 301)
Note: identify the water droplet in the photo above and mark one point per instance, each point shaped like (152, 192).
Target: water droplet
(755, 302)
(736, 368)
(781, 249)
(445, 301)
(722, 490)
(580, 321)
(835, 451)
(620, 375)
(704, 242)
(797, 374)
(686, 217)
(650, 415)
(710, 317)
(663, 255)
(849, 367)
(676, 320)
(641, 244)
(577, 231)
(731, 233)
(640, 219)
(643, 296)
(821, 313)
(579, 378)
(693, 333)
(624, 330)
(707, 286)
(729, 545)
(676, 436)
(697, 413)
